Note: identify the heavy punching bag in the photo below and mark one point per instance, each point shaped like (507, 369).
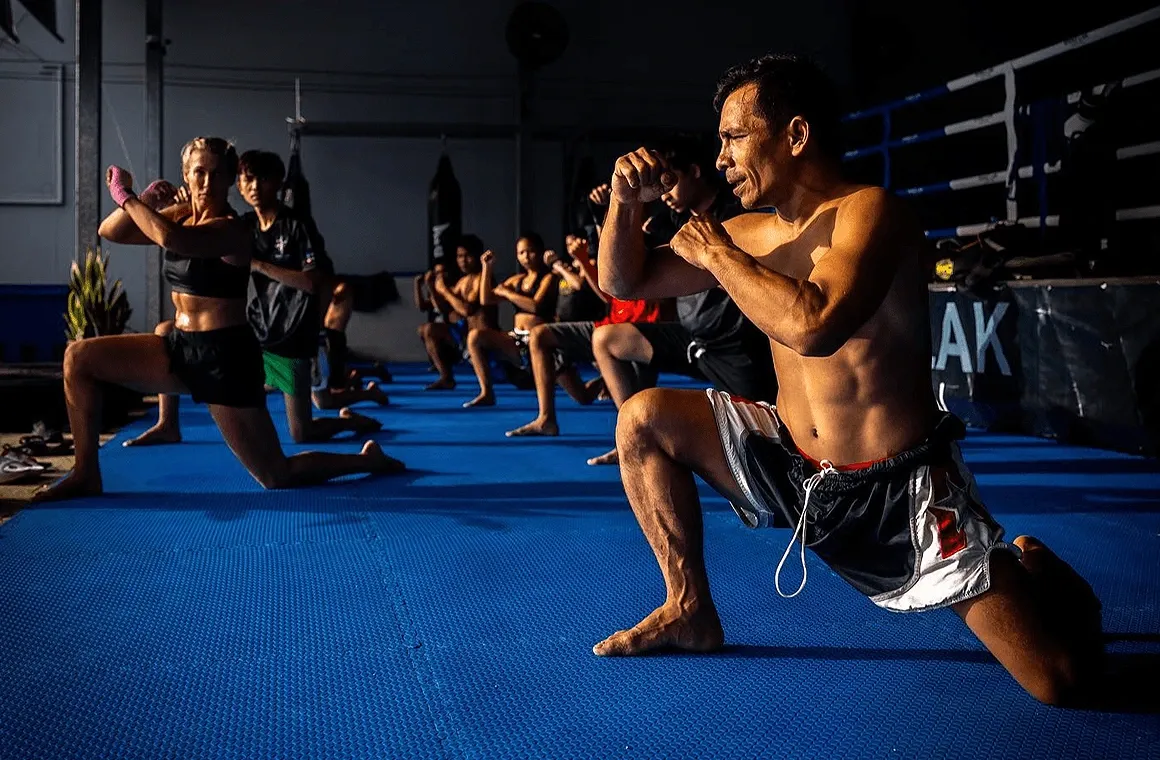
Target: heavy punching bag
(580, 215)
(295, 189)
(444, 214)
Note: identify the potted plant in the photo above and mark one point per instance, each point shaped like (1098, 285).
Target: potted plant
(94, 308)
(97, 309)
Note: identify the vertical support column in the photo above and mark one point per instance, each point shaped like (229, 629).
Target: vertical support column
(155, 309)
(87, 125)
(523, 152)
(886, 130)
(1012, 143)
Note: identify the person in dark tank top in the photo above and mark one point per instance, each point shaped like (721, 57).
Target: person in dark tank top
(289, 269)
(532, 292)
(211, 351)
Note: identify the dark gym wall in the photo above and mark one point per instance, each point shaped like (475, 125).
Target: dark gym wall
(230, 70)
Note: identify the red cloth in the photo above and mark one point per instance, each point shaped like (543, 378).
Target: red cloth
(621, 312)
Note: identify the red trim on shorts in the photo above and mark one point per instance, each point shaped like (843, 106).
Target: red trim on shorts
(842, 467)
(817, 465)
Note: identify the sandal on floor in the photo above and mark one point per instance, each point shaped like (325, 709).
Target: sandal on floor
(15, 466)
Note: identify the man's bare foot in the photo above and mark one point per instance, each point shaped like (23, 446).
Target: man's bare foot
(157, 434)
(381, 464)
(1067, 601)
(667, 628)
(483, 399)
(537, 426)
(442, 384)
(610, 458)
(71, 486)
(382, 373)
(377, 394)
(596, 390)
(363, 423)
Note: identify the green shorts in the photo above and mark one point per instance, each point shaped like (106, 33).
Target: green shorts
(291, 376)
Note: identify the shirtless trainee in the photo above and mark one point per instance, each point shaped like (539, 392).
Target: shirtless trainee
(856, 440)
(459, 304)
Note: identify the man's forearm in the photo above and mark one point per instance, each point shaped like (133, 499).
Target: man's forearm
(294, 278)
(787, 310)
(487, 296)
(622, 248)
(460, 305)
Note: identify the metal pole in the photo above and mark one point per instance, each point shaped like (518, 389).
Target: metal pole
(154, 163)
(87, 125)
(523, 152)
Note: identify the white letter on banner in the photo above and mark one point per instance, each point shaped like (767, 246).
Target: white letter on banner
(954, 340)
(987, 334)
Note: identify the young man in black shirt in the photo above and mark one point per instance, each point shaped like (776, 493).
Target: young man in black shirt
(290, 270)
(711, 339)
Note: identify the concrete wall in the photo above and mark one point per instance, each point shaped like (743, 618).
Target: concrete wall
(230, 71)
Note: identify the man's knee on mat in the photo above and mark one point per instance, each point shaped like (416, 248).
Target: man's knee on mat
(652, 420)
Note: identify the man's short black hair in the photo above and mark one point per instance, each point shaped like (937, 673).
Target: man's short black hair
(262, 164)
(472, 243)
(787, 86)
(683, 150)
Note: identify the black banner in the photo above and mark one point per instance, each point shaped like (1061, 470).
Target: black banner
(975, 360)
(1077, 361)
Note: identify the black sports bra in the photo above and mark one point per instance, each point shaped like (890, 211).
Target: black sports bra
(547, 308)
(209, 278)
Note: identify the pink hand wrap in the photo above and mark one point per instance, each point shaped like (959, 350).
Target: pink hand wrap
(117, 186)
(159, 193)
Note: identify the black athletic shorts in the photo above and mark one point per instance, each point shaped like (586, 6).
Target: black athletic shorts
(910, 532)
(219, 366)
(743, 368)
(574, 343)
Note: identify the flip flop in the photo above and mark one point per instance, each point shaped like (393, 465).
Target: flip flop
(14, 468)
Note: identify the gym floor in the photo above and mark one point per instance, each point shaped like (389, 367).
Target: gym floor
(451, 611)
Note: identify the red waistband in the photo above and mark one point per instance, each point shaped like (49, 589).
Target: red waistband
(843, 467)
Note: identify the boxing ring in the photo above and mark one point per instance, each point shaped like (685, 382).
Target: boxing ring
(891, 143)
(1075, 358)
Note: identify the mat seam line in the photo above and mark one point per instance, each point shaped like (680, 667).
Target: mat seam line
(420, 663)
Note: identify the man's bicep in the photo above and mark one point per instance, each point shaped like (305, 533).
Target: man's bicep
(854, 276)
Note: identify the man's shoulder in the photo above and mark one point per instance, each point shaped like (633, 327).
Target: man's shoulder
(872, 201)
(870, 207)
(755, 231)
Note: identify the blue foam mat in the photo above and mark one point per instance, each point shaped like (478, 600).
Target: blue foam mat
(451, 612)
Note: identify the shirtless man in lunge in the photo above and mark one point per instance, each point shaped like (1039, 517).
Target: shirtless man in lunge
(856, 439)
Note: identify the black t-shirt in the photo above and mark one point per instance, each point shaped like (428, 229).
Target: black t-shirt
(711, 316)
(581, 305)
(286, 319)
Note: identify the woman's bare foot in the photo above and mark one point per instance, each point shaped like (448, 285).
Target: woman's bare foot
(610, 458)
(377, 394)
(538, 426)
(381, 464)
(442, 384)
(483, 399)
(72, 486)
(363, 423)
(667, 628)
(157, 434)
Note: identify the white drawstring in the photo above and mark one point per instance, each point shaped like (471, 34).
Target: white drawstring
(810, 483)
(694, 351)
